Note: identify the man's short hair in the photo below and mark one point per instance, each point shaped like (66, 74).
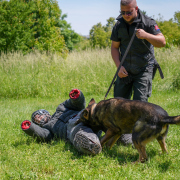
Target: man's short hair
(126, 2)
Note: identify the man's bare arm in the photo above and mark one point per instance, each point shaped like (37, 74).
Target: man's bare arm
(156, 40)
(116, 56)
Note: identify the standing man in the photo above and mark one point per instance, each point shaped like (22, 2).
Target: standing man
(135, 75)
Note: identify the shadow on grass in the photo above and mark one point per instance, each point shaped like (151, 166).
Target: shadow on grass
(27, 141)
(75, 153)
(123, 157)
(66, 147)
(163, 167)
(126, 155)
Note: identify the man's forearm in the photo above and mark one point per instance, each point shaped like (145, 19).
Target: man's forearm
(156, 40)
(115, 56)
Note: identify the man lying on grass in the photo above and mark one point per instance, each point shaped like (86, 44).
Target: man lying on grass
(61, 125)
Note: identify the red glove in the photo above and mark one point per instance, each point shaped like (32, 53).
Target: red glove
(25, 124)
(74, 94)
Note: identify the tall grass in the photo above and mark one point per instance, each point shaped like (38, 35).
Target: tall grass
(37, 81)
(39, 75)
(169, 61)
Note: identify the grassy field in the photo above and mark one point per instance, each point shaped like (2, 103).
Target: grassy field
(37, 81)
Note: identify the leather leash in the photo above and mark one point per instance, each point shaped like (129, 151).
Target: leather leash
(122, 61)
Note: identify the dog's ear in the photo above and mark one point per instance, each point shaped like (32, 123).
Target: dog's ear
(83, 117)
(92, 101)
(86, 114)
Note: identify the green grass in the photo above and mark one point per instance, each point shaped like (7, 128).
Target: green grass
(38, 81)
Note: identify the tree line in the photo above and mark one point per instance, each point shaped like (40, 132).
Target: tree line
(28, 25)
(100, 35)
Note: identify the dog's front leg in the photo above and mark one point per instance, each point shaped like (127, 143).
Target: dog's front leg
(109, 133)
(113, 140)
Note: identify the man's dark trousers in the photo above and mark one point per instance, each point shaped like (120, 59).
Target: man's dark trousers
(141, 84)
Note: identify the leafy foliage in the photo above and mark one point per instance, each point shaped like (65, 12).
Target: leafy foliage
(100, 35)
(16, 22)
(38, 24)
(177, 18)
(47, 35)
(171, 32)
(71, 37)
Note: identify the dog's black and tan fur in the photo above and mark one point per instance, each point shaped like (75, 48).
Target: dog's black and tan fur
(117, 116)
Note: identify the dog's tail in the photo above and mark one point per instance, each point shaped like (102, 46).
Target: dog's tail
(171, 120)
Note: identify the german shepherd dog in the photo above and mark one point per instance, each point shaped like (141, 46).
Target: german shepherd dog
(117, 116)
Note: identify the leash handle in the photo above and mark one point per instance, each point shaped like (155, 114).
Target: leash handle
(122, 61)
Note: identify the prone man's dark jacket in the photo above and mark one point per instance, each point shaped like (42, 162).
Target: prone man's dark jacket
(138, 57)
(57, 126)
